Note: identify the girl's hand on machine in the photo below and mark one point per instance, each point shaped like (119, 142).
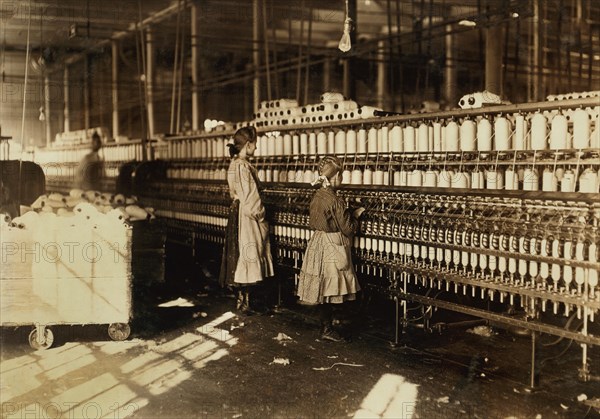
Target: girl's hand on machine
(358, 212)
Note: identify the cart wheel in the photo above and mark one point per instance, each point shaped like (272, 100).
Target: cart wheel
(46, 342)
(119, 331)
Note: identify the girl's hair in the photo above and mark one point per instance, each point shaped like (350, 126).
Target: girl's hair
(330, 166)
(242, 137)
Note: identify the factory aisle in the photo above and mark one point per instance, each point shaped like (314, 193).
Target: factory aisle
(193, 358)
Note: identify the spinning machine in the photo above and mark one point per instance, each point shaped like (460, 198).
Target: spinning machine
(491, 212)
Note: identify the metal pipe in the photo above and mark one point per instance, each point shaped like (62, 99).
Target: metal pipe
(381, 75)
(493, 59)
(536, 70)
(150, 81)
(327, 74)
(115, 88)
(349, 79)
(86, 92)
(449, 69)
(256, 52)
(66, 121)
(47, 105)
(154, 18)
(195, 45)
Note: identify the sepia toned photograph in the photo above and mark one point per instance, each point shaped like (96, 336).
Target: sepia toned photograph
(250, 209)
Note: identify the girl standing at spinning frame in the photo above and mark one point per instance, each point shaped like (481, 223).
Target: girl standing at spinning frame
(247, 252)
(327, 276)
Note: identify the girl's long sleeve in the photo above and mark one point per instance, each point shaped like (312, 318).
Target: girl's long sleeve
(247, 192)
(347, 224)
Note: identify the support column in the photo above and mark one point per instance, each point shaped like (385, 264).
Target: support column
(150, 81)
(381, 76)
(195, 45)
(86, 92)
(537, 51)
(327, 74)
(450, 69)
(494, 41)
(115, 89)
(256, 51)
(47, 104)
(66, 124)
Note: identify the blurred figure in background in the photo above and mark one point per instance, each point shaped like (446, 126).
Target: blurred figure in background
(91, 168)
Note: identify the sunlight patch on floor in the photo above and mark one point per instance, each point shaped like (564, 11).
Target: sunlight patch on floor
(391, 397)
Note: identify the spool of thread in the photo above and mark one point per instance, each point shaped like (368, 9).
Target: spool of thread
(423, 138)
(386, 178)
(430, 179)
(378, 177)
(549, 181)
(494, 180)
(396, 141)
(331, 142)
(595, 137)
(539, 130)
(356, 177)
(321, 143)
(409, 138)
(279, 147)
(415, 178)
(261, 175)
(502, 130)
(291, 176)
(346, 177)
(531, 181)
(304, 144)
(340, 142)
(444, 179)
(567, 183)
(519, 139)
(403, 176)
(308, 176)
(268, 175)
(372, 140)
(366, 112)
(559, 135)
(396, 178)
(270, 150)
(312, 143)
(220, 146)
(459, 180)
(477, 179)
(581, 129)
(287, 145)
(351, 141)
(484, 135)
(367, 178)
(385, 139)
(361, 141)
(467, 135)
(451, 137)
(295, 145)
(588, 181)
(437, 136)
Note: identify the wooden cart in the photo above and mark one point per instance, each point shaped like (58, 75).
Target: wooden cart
(67, 276)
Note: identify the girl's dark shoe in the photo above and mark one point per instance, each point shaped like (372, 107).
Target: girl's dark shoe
(330, 334)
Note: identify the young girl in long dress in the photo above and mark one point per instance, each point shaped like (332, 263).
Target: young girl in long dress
(327, 276)
(247, 256)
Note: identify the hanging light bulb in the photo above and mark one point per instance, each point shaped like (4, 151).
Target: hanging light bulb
(345, 43)
(42, 116)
